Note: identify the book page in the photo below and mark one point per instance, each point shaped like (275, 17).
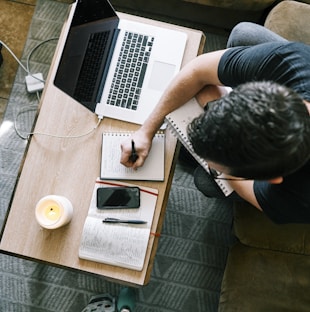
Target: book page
(111, 168)
(122, 245)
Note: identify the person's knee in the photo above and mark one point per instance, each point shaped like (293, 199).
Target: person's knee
(205, 184)
(240, 34)
(249, 34)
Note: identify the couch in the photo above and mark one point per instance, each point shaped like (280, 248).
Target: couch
(204, 14)
(1, 57)
(268, 268)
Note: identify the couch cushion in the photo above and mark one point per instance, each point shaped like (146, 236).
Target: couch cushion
(190, 14)
(236, 5)
(258, 280)
(253, 228)
(297, 14)
(1, 58)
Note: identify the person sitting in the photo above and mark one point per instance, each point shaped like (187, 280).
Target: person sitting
(258, 134)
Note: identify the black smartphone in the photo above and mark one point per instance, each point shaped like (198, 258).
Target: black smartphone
(118, 197)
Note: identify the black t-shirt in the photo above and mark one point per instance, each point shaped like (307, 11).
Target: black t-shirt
(287, 64)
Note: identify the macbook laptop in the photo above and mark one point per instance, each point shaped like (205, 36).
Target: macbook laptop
(117, 68)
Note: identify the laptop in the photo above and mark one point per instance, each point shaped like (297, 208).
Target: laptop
(114, 67)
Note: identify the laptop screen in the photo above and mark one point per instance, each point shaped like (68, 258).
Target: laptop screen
(81, 70)
(88, 11)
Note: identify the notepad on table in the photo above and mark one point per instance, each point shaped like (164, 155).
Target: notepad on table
(118, 244)
(153, 168)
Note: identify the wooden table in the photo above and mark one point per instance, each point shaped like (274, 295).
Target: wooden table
(69, 167)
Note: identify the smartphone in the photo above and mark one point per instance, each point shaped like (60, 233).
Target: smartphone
(118, 197)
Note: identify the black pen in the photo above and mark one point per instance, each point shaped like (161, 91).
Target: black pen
(114, 220)
(133, 157)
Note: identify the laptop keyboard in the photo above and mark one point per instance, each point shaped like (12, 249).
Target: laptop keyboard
(91, 66)
(130, 70)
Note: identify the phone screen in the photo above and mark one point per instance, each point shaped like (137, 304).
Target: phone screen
(118, 197)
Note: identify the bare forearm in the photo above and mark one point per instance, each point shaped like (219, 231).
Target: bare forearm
(193, 78)
(197, 74)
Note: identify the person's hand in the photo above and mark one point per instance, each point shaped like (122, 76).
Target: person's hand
(142, 145)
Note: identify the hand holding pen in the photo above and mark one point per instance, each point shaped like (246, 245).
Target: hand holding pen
(134, 156)
(135, 150)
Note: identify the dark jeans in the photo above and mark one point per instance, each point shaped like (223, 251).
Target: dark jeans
(206, 185)
(249, 34)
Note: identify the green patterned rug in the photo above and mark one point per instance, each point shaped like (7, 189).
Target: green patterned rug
(196, 235)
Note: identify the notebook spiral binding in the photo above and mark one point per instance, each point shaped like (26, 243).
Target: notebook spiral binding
(181, 135)
(126, 133)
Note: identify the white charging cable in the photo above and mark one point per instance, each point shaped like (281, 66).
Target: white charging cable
(35, 83)
(28, 135)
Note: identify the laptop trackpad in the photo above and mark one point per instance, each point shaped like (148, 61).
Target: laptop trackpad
(161, 75)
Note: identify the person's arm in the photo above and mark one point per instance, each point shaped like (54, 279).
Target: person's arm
(244, 189)
(194, 77)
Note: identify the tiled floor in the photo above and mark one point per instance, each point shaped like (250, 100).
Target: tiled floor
(15, 18)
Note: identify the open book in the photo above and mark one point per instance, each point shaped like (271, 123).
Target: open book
(177, 122)
(152, 170)
(118, 244)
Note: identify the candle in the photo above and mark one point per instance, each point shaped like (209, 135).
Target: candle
(53, 211)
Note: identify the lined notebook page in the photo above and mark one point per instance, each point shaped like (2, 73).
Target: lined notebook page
(177, 122)
(152, 170)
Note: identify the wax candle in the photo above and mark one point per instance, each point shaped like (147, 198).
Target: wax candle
(53, 211)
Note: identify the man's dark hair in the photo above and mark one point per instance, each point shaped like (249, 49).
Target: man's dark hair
(260, 130)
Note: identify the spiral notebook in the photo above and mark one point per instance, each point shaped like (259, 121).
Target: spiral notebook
(177, 122)
(153, 168)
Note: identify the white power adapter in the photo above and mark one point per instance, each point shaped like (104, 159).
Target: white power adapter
(34, 83)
